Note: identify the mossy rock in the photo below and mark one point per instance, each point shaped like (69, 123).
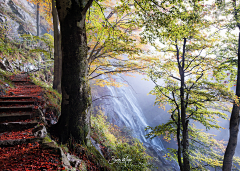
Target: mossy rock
(47, 140)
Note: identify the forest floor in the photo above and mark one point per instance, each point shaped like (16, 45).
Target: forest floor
(23, 144)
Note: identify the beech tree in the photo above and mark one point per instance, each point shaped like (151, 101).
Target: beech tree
(229, 53)
(48, 10)
(74, 122)
(57, 50)
(108, 39)
(38, 20)
(187, 50)
(110, 28)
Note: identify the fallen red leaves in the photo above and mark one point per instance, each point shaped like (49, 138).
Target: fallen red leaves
(31, 90)
(28, 157)
(17, 135)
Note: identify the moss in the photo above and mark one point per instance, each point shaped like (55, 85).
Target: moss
(4, 78)
(98, 159)
(47, 139)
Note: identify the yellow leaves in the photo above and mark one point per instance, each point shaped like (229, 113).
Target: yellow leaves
(111, 82)
(45, 9)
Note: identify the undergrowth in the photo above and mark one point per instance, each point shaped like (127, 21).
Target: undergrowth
(120, 149)
(5, 83)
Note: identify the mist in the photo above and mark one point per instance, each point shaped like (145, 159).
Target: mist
(156, 116)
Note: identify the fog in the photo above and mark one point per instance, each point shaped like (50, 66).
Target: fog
(141, 88)
(156, 116)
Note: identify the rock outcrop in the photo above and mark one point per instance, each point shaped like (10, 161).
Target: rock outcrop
(19, 17)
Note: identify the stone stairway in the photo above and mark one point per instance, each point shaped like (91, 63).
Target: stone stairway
(16, 108)
(22, 134)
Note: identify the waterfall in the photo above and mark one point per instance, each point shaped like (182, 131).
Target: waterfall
(122, 109)
(125, 105)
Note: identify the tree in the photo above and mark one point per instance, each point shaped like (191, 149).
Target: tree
(57, 50)
(44, 9)
(232, 8)
(110, 34)
(74, 121)
(106, 44)
(107, 41)
(48, 9)
(38, 20)
(183, 30)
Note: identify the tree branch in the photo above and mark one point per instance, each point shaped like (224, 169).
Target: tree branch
(87, 6)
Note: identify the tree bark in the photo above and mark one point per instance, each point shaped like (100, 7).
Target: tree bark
(57, 50)
(234, 123)
(74, 122)
(186, 164)
(38, 20)
(179, 152)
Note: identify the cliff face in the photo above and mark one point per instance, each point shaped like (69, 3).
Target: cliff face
(19, 17)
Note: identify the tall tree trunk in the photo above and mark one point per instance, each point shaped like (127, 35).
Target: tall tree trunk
(185, 164)
(179, 152)
(38, 20)
(74, 122)
(234, 123)
(185, 154)
(57, 50)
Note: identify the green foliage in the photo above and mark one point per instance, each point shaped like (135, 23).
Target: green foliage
(38, 79)
(5, 45)
(4, 75)
(43, 44)
(28, 51)
(52, 97)
(100, 125)
(127, 153)
(111, 29)
(227, 53)
(186, 76)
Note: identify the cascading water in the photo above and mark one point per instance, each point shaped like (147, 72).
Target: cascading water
(125, 105)
(122, 109)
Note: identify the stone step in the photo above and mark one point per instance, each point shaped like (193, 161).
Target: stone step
(15, 103)
(12, 98)
(12, 117)
(21, 108)
(8, 143)
(16, 126)
(12, 110)
(21, 83)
